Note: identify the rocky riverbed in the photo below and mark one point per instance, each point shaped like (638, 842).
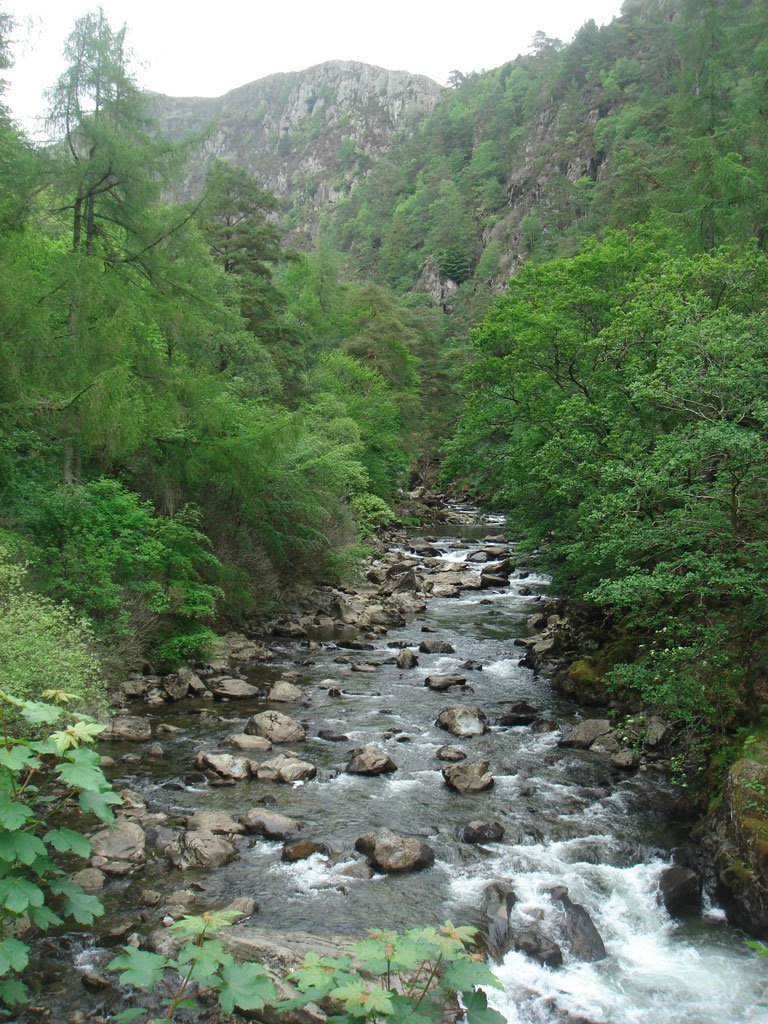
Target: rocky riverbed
(387, 756)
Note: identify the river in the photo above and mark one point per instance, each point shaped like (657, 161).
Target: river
(569, 818)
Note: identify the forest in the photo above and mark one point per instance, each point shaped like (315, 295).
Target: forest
(197, 420)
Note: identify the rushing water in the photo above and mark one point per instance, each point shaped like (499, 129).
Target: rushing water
(569, 819)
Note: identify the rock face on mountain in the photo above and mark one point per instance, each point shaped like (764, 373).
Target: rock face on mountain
(312, 132)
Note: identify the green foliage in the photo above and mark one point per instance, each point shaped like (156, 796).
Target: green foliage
(41, 777)
(370, 514)
(632, 383)
(44, 644)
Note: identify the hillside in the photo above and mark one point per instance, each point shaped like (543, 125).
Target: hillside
(306, 136)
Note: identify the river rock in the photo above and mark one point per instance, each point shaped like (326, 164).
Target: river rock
(175, 686)
(249, 744)
(363, 666)
(120, 849)
(469, 776)
(135, 688)
(482, 832)
(451, 754)
(519, 713)
(130, 728)
(195, 686)
(285, 692)
(462, 720)
(284, 768)
(435, 646)
(581, 936)
(407, 659)
(370, 760)
(498, 900)
(215, 821)
(201, 848)
(90, 880)
(626, 760)
(607, 744)
(442, 683)
(656, 730)
(269, 824)
(472, 666)
(333, 737)
(542, 725)
(390, 852)
(585, 733)
(680, 890)
(538, 947)
(233, 689)
(488, 580)
(225, 765)
(276, 727)
(358, 869)
(301, 850)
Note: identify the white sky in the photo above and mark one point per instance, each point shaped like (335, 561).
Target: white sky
(206, 49)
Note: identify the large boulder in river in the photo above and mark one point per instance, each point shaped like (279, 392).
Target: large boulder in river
(262, 822)
(442, 683)
(275, 727)
(233, 689)
(201, 848)
(498, 900)
(370, 761)
(680, 890)
(434, 646)
(120, 849)
(390, 852)
(214, 821)
(581, 936)
(406, 659)
(227, 766)
(585, 733)
(462, 720)
(468, 776)
(284, 768)
(285, 692)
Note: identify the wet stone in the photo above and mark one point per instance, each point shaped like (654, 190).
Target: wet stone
(442, 683)
(469, 776)
(435, 646)
(269, 824)
(301, 850)
(451, 754)
(276, 727)
(391, 852)
(462, 720)
(370, 760)
(482, 832)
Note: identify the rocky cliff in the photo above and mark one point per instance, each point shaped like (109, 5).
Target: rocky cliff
(307, 135)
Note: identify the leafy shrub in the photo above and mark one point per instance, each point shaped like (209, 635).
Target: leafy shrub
(371, 512)
(39, 778)
(44, 645)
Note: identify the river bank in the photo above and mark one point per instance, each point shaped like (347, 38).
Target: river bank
(422, 722)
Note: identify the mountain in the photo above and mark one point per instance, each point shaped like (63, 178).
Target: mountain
(307, 135)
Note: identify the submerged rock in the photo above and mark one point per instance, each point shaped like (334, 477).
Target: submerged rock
(301, 850)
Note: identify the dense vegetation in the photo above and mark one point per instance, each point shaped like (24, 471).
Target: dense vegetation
(192, 417)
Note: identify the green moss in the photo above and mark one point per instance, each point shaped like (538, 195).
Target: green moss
(584, 672)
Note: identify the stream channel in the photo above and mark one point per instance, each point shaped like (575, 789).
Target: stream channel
(569, 819)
